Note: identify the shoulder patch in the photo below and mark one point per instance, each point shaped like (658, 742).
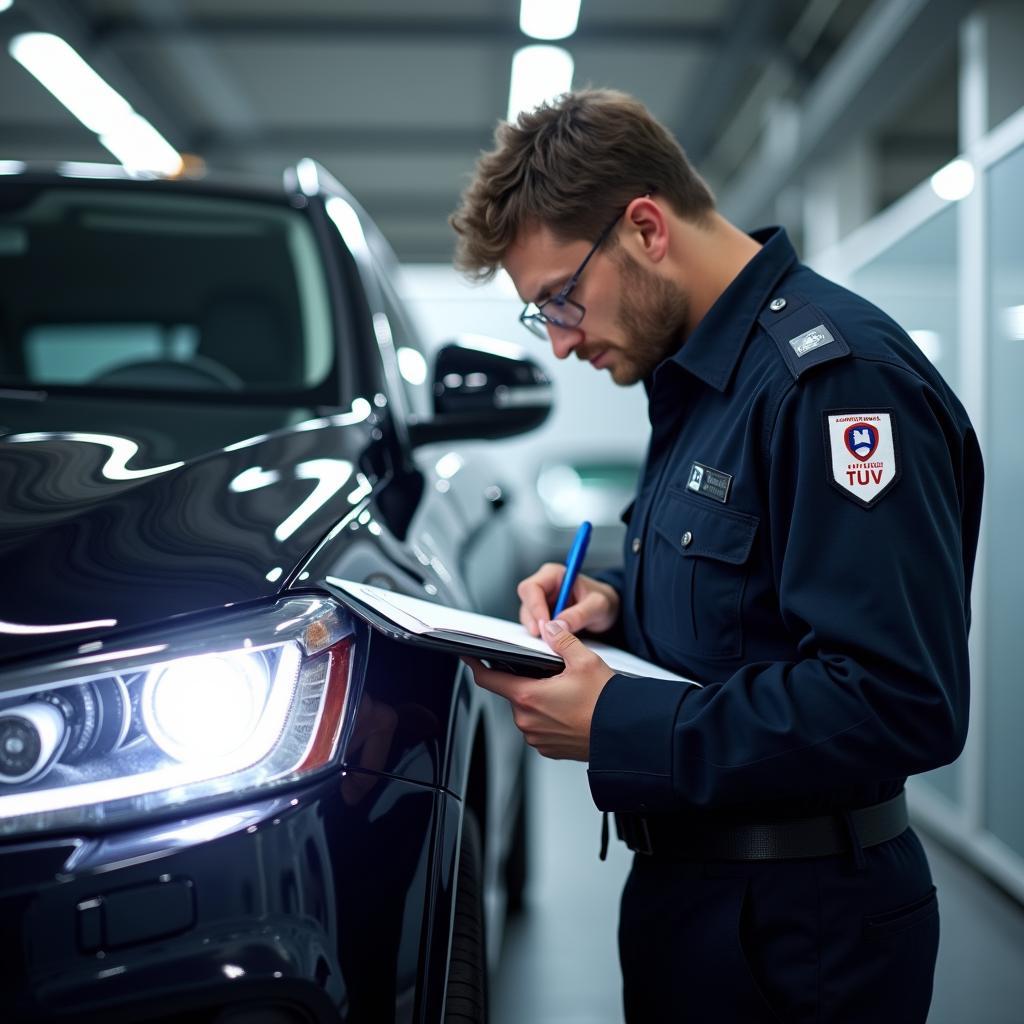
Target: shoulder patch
(862, 452)
(803, 333)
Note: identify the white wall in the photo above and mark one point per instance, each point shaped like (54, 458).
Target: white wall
(592, 416)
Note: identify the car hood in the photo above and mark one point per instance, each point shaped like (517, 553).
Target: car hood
(104, 527)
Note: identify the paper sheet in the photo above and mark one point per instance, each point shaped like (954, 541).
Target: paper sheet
(418, 616)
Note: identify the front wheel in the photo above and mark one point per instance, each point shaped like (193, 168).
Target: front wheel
(466, 991)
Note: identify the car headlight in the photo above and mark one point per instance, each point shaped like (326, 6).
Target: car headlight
(253, 700)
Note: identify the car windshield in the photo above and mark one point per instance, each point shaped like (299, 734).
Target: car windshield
(178, 293)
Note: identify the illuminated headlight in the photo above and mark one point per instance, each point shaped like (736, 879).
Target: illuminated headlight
(208, 706)
(252, 701)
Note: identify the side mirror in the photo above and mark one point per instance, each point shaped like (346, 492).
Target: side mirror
(483, 389)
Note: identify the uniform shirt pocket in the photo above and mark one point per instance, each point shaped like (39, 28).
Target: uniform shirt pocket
(695, 575)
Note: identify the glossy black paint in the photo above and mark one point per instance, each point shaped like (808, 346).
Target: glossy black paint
(201, 535)
(318, 898)
(470, 384)
(335, 897)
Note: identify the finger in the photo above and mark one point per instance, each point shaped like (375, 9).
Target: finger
(584, 612)
(548, 578)
(536, 604)
(530, 622)
(565, 644)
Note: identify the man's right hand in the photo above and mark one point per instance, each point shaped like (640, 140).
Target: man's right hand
(593, 606)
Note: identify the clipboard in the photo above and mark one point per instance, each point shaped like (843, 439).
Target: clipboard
(395, 615)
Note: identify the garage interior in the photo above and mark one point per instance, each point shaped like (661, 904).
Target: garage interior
(851, 122)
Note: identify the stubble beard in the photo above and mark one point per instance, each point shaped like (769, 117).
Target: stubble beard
(653, 314)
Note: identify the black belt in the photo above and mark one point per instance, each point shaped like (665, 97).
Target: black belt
(673, 839)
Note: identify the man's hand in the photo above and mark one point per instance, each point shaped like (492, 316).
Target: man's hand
(553, 714)
(592, 605)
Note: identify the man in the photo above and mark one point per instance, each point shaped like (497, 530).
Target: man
(802, 544)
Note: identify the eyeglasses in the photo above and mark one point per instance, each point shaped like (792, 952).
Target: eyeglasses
(560, 310)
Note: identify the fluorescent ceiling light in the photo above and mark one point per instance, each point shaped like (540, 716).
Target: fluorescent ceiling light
(141, 148)
(954, 181)
(5, 5)
(929, 342)
(539, 74)
(60, 69)
(549, 19)
(11, 166)
(130, 137)
(1013, 322)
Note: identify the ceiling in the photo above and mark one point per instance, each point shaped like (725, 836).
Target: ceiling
(397, 97)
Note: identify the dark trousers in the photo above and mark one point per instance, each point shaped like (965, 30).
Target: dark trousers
(820, 940)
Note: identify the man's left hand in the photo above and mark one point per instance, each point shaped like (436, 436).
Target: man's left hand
(553, 714)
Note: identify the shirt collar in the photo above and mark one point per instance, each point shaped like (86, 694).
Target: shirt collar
(712, 351)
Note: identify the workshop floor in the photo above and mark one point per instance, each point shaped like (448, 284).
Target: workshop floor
(560, 965)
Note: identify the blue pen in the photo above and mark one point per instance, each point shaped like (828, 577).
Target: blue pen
(577, 553)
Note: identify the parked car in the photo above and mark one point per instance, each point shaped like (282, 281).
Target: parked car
(222, 797)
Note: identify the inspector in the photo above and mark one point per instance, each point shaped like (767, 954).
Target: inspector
(802, 543)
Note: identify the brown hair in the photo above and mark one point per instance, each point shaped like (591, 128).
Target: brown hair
(569, 165)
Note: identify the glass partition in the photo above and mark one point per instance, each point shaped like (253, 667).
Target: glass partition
(1004, 505)
(915, 282)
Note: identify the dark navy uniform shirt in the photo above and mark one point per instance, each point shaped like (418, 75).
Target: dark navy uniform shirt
(802, 543)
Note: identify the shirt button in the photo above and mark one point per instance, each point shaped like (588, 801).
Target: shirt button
(685, 539)
(777, 305)
(636, 545)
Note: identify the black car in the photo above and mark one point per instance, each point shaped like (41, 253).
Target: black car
(222, 797)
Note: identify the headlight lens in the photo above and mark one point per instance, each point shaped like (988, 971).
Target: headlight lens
(253, 701)
(232, 693)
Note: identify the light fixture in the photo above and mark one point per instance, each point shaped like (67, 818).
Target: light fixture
(929, 342)
(129, 136)
(954, 181)
(140, 148)
(11, 166)
(539, 74)
(1013, 322)
(549, 19)
(5, 5)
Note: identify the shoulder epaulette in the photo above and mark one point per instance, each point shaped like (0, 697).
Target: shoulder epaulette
(805, 336)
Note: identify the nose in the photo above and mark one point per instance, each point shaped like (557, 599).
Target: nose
(564, 339)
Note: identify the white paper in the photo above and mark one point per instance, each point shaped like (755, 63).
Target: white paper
(417, 616)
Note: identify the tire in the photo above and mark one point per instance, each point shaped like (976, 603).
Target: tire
(466, 992)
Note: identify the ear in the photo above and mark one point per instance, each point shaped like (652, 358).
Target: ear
(647, 227)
